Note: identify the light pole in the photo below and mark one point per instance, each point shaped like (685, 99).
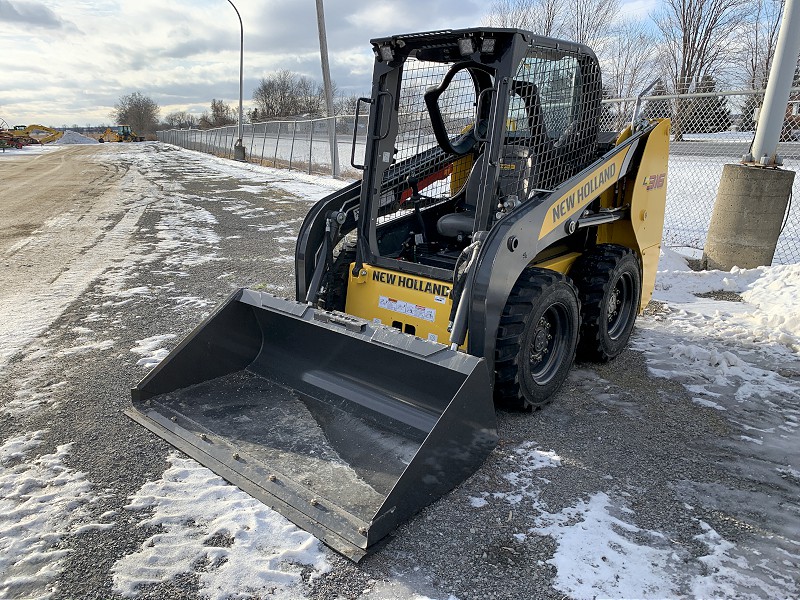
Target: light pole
(326, 82)
(238, 147)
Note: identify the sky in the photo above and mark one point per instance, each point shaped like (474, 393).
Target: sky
(67, 62)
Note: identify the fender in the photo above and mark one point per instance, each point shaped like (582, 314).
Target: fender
(514, 242)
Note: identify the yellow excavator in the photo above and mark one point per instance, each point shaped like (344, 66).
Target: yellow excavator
(120, 133)
(496, 234)
(40, 133)
(33, 134)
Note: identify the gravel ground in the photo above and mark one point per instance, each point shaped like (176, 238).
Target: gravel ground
(616, 429)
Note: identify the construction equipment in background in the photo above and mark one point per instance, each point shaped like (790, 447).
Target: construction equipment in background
(496, 233)
(120, 133)
(26, 135)
(43, 134)
(9, 140)
(36, 134)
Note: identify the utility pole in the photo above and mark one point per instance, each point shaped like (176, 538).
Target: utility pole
(776, 96)
(238, 147)
(326, 82)
(753, 195)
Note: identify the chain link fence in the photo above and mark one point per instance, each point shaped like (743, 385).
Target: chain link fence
(708, 130)
(301, 144)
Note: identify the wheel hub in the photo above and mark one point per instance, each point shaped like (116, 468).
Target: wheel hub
(614, 302)
(541, 340)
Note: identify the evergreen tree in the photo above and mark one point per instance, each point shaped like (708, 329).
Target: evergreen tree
(709, 114)
(748, 122)
(657, 109)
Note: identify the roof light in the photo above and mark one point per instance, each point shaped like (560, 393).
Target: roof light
(487, 45)
(466, 46)
(387, 53)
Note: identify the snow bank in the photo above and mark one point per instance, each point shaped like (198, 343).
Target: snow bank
(239, 547)
(768, 313)
(73, 137)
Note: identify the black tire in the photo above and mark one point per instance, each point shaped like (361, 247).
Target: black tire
(335, 294)
(536, 339)
(609, 284)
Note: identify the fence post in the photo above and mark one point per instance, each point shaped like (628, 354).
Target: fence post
(252, 138)
(277, 141)
(291, 150)
(310, 144)
(335, 168)
(263, 143)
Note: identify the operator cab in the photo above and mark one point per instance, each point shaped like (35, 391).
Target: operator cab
(464, 130)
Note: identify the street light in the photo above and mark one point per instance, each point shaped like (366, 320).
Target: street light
(238, 147)
(326, 82)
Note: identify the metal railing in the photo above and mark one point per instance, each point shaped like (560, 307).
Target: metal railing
(709, 130)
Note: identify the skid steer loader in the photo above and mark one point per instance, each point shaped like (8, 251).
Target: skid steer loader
(495, 234)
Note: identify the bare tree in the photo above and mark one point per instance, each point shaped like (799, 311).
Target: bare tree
(628, 64)
(284, 94)
(346, 104)
(180, 119)
(758, 37)
(221, 114)
(589, 21)
(584, 21)
(697, 38)
(539, 16)
(137, 110)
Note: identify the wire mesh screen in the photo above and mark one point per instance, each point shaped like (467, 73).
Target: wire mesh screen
(551, 124)
(417, 153)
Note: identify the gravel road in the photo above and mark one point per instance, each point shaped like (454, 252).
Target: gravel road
(100, 250)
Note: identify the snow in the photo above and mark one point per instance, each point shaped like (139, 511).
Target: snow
(597, 555)
(151, 350)
(238, 546)
(42, 501)
(73, 137)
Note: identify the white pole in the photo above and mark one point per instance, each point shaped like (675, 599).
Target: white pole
(776, 97)
(326, 82)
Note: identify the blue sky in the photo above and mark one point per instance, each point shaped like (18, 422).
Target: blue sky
(67, 62)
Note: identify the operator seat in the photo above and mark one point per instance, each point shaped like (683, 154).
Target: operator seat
(462, 223)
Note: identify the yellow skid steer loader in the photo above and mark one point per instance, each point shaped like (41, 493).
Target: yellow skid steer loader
(495, 234)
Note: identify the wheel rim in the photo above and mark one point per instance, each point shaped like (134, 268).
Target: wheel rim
(620, 306)
(548, 344)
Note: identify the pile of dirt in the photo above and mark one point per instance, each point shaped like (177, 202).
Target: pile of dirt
(73, 137)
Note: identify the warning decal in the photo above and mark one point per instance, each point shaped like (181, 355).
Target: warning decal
(407, 308)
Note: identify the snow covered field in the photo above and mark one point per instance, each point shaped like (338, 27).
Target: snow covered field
(672, 472)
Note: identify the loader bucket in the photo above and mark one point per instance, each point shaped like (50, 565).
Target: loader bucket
(345, 427)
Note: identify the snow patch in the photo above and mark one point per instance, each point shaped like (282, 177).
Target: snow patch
(598, 557)
(151, 351)
(238, 547)
(42, 501)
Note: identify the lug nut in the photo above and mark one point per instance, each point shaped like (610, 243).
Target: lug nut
(272, 478)
(235, 456)
(314, 502)
(362, 530)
